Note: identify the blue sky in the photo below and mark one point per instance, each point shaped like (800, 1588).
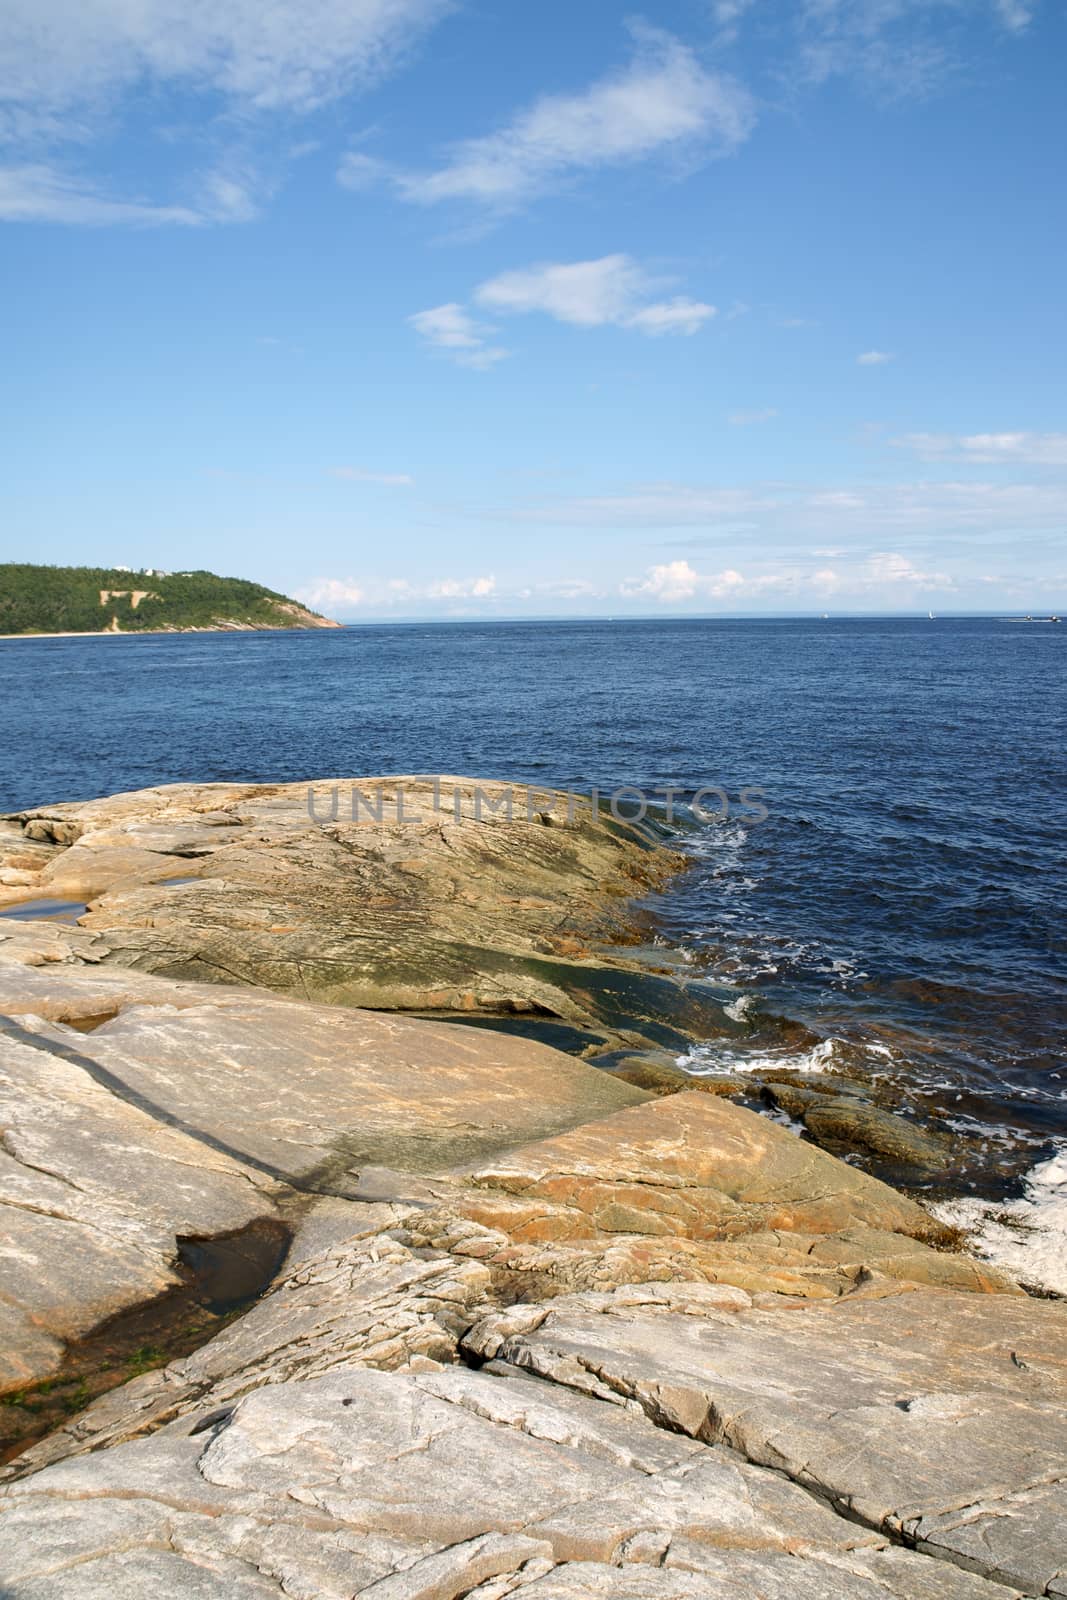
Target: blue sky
(416, 308)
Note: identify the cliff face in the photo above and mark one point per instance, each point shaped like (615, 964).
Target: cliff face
(39, 599)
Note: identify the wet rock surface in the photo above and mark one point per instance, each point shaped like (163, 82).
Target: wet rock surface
(841, 1117)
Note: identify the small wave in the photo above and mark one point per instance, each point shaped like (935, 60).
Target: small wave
(783, 1119)
(838, 968)
(716, 1061)
(1028, 1235)
(713, 838)
(741, 1008)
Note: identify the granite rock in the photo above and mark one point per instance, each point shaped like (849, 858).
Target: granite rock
(435, 1485)
(442, 902)
(935, 1418)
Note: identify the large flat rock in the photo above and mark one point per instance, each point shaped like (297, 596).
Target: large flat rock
(194, 1112)
(314, 1092)
(458, 896)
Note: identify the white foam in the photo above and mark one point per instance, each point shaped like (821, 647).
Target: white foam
(783, 1119)
(1026, 1236)
(717, 1061)
(739, 1009)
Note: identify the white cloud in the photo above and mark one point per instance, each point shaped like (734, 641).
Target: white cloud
(676, 582)
(874, 358)
(451, 328)
(588, 293)
(1039, 449)
(748, 419)
(391, 480)
(331, 594)
(448, 325)
(377, 594)
(664, 100)
(591, 294)
(461, 589)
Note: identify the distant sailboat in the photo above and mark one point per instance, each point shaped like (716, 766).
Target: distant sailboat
(931, 616)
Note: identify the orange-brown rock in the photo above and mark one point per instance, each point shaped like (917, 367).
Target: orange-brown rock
(690, 1165)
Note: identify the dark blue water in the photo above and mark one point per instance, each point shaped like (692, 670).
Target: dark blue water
(905, 897)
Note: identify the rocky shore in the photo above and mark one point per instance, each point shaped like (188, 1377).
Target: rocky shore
(310, 1292)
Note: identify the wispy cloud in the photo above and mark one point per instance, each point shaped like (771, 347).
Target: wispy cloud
(890, 567)
(748, 419)
(451, 328)
(589, 294)
(43, 192)
(389, 480)
(874, 358)
(679, 315)
(257, 54)
(821, 514)
(358, 170)
(896, 48)
(1014, 14)
(67, 68)
(984, 449)
(663, 100)
(728, 14)
(38, 192)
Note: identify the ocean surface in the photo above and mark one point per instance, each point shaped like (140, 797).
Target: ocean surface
(902, 910)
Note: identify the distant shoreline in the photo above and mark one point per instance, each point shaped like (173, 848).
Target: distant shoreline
(162, 633)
